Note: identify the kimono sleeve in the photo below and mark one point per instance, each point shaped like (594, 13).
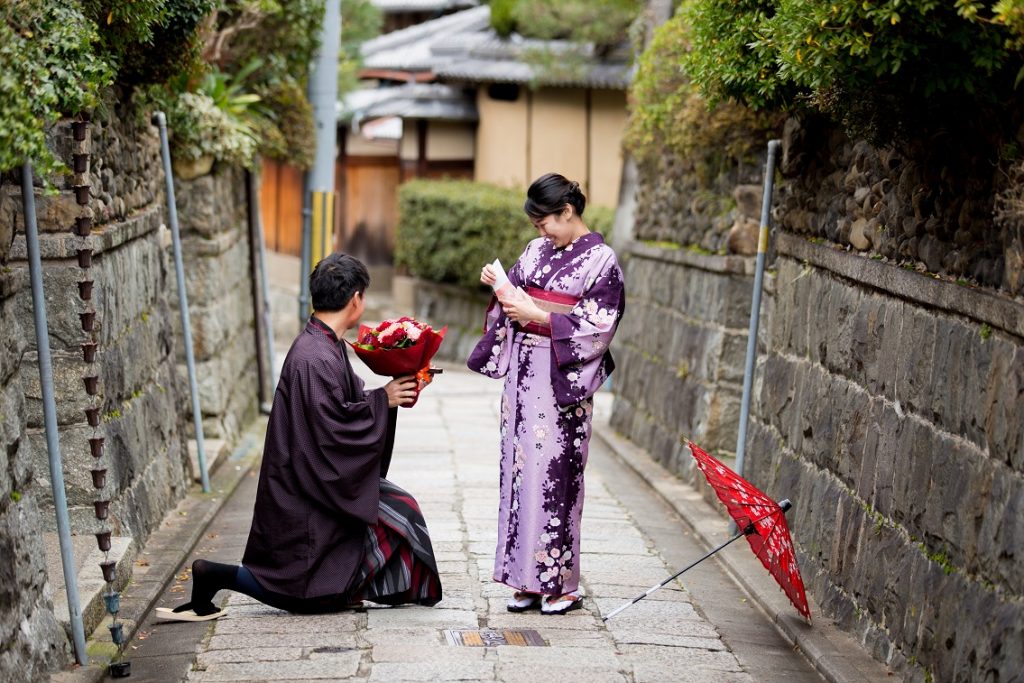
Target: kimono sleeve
(492, 354)
(350, 432)
(583, 335)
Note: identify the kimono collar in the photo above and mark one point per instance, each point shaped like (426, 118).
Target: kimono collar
(318, 326)
(586, 241)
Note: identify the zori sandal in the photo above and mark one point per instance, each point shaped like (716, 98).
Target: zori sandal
(522, 601)
(560, 604)
(187, 613)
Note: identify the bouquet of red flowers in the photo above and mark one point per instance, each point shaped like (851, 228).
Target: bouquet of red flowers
(400, 347)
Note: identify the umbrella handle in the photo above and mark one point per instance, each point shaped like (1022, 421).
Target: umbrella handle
(746, 532)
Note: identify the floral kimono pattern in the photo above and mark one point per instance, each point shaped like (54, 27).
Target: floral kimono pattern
(546, 408)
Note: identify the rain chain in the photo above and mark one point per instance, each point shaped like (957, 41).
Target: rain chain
(83, 228)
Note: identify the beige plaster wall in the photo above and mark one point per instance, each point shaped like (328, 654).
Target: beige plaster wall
(558, 126)
(502, 140)
(450, 140)
(607, 124)
(409, 148)
(550, 129)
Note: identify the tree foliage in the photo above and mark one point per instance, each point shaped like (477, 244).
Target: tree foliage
(246, 58)
(361, 20)
(880, 66)
(602, 22)
(148, 41)
(48, 68)
(668, 114)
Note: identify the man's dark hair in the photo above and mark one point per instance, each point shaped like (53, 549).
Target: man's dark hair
(335, 279)
(550, 193)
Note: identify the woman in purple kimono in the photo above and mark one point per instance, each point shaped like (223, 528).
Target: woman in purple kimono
(549, 339)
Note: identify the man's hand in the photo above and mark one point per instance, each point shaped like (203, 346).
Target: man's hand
(401, 390)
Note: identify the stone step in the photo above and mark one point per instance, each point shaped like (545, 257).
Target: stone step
(91, 586)
(215, 450)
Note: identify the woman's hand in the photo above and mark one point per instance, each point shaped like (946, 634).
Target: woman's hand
(401, 390)
(519, 307)
(488, 276)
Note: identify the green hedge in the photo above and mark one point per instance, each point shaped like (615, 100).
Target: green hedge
(448, 229)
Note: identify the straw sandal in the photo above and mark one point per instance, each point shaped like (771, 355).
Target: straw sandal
(560, 604)
(187, 613)
(522, 601)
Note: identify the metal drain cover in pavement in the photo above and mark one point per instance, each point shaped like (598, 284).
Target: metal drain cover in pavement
(492, 638)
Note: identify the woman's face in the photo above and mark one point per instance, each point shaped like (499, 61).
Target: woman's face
(556, 227)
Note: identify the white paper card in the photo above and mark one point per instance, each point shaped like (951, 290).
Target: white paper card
(501, 284)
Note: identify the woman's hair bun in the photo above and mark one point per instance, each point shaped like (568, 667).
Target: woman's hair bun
(550, 193)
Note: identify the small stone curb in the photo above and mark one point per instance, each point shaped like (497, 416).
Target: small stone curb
(168, 548)
(833, 653)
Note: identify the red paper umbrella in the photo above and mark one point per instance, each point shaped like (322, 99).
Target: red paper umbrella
(763, 522)
(760, 519)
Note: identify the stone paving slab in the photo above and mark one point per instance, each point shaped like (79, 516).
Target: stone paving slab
(250, 654)
(329, 668)
(663, 638)
(518, 673)
(304, 639)
(392, 672)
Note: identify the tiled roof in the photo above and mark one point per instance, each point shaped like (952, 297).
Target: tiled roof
(463, 47)
(410, 49)
(434, 101)
(394, 6)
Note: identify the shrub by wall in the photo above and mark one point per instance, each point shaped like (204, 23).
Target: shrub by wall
(448, 229)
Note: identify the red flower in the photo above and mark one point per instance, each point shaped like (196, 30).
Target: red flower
(399, 347)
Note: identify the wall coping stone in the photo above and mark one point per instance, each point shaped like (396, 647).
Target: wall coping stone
(114, 234)
(215, 246)
(740, 265)
(978, 304)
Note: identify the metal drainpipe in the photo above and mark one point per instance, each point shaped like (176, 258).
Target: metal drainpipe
(755, 304)
(251, 216)
(261, 264)
(179, 269)
(60, 501)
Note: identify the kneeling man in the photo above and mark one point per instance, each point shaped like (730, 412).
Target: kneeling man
(328, 530)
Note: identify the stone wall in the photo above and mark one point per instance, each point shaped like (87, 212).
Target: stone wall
(892, 412)
(212, 211)
(33, 641)
(888, 403)
(714, 207)
(138, 392)
(683, 336)
(927, 204)
(142, 392)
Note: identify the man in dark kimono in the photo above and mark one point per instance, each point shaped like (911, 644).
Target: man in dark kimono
(328, 530)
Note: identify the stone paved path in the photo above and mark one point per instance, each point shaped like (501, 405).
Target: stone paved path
(446, 456)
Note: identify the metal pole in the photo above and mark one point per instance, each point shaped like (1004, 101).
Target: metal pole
(323, 96)
(186, 327)
(60, 501)
(261, 255)
(307, 232)
(755, 304)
